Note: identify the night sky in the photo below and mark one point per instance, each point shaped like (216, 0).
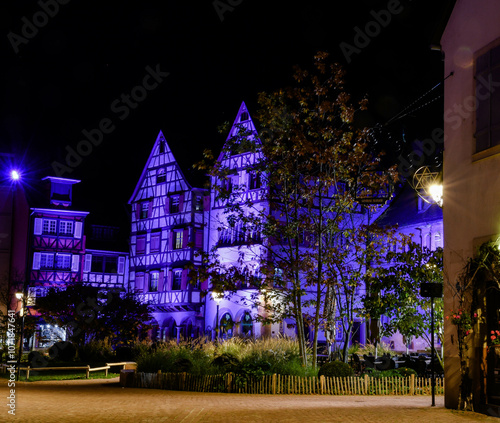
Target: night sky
(80, 70)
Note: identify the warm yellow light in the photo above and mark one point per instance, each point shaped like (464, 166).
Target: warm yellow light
(19, 295)
(217, 296)
(436, 193)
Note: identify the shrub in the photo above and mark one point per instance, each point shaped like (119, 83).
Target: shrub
(63, 351)
(124, 353)
(37, 359)
(336, 369)
(95, 351)
(406, 371)
(382, 349)
(226, 362)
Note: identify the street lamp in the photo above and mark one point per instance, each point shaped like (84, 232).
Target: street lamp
(217, 297)
(20, 297)
(428, 185)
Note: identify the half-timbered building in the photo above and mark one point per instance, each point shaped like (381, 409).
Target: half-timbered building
(168, 228)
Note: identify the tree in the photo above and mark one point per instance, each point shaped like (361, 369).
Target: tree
(88, 313)
(397, 283)
(311, 159)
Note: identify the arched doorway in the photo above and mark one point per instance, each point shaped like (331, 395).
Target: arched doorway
(226, 325)
(246, 325)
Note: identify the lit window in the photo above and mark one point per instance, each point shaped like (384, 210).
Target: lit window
(65, 227)
(49, 226)
(176, 280)
(178, 240)
(153, 281)
(63, 261)
(198, 203)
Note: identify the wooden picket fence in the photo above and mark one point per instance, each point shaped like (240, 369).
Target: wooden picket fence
(284, 384)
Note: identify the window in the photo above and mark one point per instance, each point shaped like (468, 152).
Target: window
(155, 241)
(278, 277)
(198, 203)
(174, 203)
(162, 147)
(141, 244)
(154, 277)
(160, 176)
(97, 264)
(244, 116)
(110, 264)
(487, 100)
(65, 227)
(254, 180)
(144, 210)
(46, 261)
(49, 226)
(176, 280)
(63, 261)
(246, 324)
(178, 240)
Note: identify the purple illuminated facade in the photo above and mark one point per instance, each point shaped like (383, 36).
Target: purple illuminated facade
(169, 224)
(171, 221)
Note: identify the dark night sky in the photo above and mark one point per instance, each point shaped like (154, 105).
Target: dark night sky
(65, 78)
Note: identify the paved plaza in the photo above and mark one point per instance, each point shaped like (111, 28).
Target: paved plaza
(101, 400)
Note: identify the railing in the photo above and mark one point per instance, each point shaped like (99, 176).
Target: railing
(284, 384)
(87, 369)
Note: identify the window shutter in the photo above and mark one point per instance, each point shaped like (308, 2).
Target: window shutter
(145, 288)
(150, 209)
(36, 261)
(171, 240)
(181, 203)
(198, 242)
(88, 263)
(78, 229)
(167, 205)
(137, 211)
(161, 281)
(75, 261)
(185, 238)
(38, 226)
(184, 279)
(169, 280)
(121, 265)
(138, 282)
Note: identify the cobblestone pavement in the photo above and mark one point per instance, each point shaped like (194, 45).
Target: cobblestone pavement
(98, 401)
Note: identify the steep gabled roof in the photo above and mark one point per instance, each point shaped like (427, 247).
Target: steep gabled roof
(161, 156)
(243, 121)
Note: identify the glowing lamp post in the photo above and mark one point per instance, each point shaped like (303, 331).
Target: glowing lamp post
(429, 185)
(217, 297)
(20, 298)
